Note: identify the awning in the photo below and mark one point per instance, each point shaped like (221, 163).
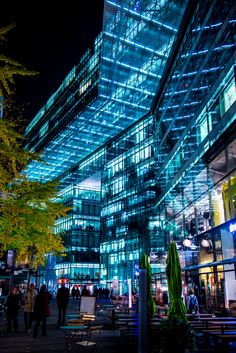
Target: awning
(210, 264)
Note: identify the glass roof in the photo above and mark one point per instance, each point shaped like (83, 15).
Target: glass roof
(135, 43)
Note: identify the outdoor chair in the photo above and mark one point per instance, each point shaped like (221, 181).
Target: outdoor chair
(89, 342)
(88, 319)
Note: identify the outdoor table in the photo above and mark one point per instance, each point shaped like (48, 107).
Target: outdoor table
(70, 332)
(201, 315)
(206, 320)
(73, 316)
(222, 323)
(126, 316)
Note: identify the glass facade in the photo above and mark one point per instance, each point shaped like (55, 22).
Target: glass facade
(194, 155)
(128, 195)
(156, 131)
(196, 110)
(112, 86)
(80, 232)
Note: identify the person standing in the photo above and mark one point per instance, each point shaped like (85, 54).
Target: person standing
(77, 293)
(41, 310)
(63, 294)
(192, 302)
(73, 292)
(12, 308)
(85, 292)
(30, 296)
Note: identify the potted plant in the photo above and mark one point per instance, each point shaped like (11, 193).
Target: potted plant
(173, 335)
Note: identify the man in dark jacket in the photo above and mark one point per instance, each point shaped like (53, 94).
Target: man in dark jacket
(41, 310)
(12, 308)
(62, 301)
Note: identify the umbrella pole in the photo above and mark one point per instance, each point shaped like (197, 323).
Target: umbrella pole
(142, 342)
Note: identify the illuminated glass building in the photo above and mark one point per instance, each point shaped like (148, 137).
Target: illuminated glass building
(195, 153)
(149, 114)
(110, 89)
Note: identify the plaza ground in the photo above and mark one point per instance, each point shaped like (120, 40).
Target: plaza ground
(109, 341)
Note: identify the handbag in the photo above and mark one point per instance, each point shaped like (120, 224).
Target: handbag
(48, 311)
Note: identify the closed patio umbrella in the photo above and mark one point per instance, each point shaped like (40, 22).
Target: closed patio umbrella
(174, 278)
(144, 264)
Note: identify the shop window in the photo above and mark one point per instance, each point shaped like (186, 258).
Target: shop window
(218, 168)
(231, 151)
(228, 97)
(225, 195)
(233, 195)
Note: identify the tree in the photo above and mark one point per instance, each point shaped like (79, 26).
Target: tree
(28, 209)
(9, 68)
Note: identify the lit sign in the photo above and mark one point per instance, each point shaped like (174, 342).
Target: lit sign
(136, 266)
(232, 227)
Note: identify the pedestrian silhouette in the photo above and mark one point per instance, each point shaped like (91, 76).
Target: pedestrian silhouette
(41, 310)
(85, 292)
(62, 301)
(12, 308)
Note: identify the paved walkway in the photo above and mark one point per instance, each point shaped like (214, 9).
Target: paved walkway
(108, 342)
(20, 342)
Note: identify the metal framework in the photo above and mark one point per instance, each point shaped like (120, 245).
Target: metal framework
(111, 88)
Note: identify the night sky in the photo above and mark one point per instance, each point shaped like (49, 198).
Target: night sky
(49, 40)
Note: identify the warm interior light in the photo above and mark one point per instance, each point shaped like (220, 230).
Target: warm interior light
(187, 242)
(205, 243)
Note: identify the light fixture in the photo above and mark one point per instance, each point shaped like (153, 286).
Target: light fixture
(187, 242)
(206, 243)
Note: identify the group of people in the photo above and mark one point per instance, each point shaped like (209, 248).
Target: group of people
(36, 307)
(75, 292)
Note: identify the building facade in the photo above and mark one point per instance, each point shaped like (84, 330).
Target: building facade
(146, 125)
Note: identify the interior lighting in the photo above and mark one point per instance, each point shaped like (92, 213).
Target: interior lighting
(187, 242)
(205, 243)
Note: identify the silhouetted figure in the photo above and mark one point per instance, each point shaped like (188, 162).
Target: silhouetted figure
(41, 310)
(77, 293)
(12, 308)
(73, 292)
(85, 292)
(62, 301)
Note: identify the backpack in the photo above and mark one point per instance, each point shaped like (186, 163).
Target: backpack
(193, 303)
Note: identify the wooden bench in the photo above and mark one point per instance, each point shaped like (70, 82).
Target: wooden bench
(97, 328)
(228, 336)
(73, 322)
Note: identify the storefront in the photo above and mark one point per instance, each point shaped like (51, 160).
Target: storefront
(214, 277)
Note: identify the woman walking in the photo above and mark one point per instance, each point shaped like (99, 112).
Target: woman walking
(41, 310)
(29, 306)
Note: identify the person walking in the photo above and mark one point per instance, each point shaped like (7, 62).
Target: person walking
(73, 292)
(192, 302)
(85, 292)
(63, 294)
(77, 293)
(12, 305)
(41, 310)
(30, 296)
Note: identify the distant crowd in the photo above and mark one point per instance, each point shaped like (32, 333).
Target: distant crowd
(99, 293)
